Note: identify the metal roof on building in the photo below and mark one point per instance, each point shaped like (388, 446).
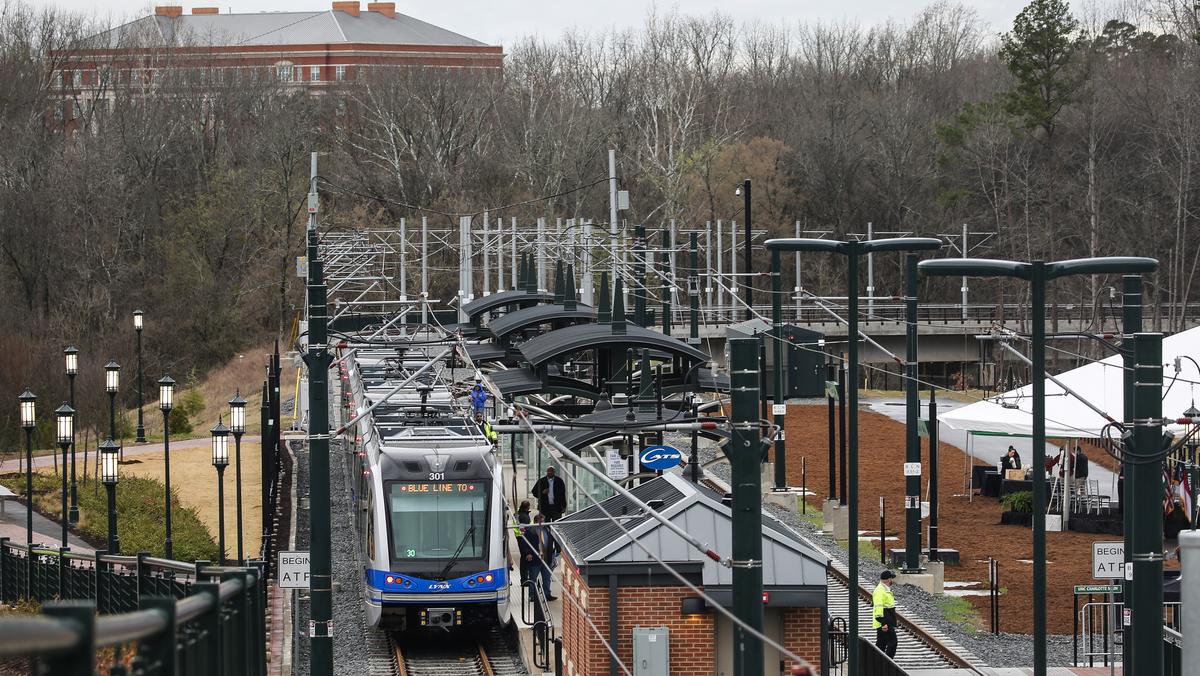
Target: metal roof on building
(524, 318)
(285, 28)
(584, 336)
(788, 562)
(493, 301)
(576, 439)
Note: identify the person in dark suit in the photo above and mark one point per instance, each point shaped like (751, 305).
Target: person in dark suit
(526, 548)
(1079, 463)
(551, 494)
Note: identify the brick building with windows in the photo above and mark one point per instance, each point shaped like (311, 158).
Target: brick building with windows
(606, 576)
(315, 50)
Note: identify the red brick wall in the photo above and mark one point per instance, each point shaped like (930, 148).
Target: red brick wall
(692, 639)
(802, 633)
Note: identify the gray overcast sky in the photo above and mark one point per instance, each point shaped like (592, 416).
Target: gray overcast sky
(500, 21)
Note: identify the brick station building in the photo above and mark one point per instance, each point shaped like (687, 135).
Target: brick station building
(608, 576)
(205, 49)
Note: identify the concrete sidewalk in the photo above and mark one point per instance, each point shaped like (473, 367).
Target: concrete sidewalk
(45, 531)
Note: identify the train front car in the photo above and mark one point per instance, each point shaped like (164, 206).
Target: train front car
(433, 518)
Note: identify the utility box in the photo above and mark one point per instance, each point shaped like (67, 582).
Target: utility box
(803, 357)
(651, 651)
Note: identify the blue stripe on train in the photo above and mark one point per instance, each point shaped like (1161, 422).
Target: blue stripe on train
(469, 583)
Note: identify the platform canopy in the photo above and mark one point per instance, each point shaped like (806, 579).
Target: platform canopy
(1101, 383)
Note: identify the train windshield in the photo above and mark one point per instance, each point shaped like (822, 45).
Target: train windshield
(438, 519)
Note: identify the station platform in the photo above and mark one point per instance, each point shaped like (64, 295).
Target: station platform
(519, 605)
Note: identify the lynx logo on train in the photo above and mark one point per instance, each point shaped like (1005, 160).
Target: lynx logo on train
(660, 457)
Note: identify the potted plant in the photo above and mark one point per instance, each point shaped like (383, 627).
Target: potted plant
(1018, 508)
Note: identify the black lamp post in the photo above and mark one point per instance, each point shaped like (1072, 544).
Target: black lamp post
(112, 385)
(108, 475)
(1037, 273)
(28, 409)
(166, 397)
(853, 252)
(64, 434)
(237, 425)
(220, 460)
(71, 355)
(141, 427)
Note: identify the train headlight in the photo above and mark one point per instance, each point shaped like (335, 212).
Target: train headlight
(488, 577)
(471, 582)
(390, 580)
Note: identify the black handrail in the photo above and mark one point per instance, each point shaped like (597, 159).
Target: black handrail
(24, 635)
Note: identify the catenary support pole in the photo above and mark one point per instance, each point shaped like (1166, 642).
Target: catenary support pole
(779, 406)
(749, 249)
(1146, 477)
(933, 476)
(317, 359)
(747, 505)
(831, 378)
(912, 439)
(841, 368)
(1131, 318)
(424, 271)
(1037, 282)
(693, 292)
(852, 447)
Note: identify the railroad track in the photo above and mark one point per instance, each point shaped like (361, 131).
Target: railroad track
(919, 646)
(483, 653)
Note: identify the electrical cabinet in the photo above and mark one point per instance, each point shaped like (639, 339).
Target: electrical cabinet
(651, 651)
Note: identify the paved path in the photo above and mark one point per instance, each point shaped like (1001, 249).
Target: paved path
(45, 531)
(16, 465)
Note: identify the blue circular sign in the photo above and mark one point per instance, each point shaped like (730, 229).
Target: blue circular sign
(660, 457)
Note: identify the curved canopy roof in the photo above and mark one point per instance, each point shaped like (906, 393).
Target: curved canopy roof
(524, 318)
(502, 298)
(547, 346)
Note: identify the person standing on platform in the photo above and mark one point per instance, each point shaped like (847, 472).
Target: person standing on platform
(883, 617)
(551, 494)
(547, 550)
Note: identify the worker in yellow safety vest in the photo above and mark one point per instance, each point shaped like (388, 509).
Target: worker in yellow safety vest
(486, 428)
(883, 616)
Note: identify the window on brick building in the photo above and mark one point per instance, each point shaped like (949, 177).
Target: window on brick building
(77, 78)
(314, 73)
(340, 73)
(285, 72)
(58, 80)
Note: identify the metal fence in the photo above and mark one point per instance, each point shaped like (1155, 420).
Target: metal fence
(168, 617)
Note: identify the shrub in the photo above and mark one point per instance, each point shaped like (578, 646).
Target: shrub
(1020, 502)
(139, 515)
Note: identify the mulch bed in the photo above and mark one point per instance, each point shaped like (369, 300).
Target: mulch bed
(973, 528)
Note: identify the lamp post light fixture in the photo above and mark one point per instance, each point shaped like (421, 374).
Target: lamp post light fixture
(71, 359)
(141, 427)
(64, 434)
(166, 401)
(853, 251)
(112, 385)
(1037, 273)
(28, 408)
(108, 475)
(220, 460)
(237, 425)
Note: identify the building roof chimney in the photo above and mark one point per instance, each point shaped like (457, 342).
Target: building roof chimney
(169, 10)
(351, 8)
(387, 9)
(205, 10)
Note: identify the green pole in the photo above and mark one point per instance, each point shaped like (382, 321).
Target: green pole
(665, 267)
(747, 506)
(317, 360)
(639, 293)
(852, 445)
(1037, 281)
(779, 409)
(1147, 603)
(694, 292)
(912, 445)
(1131, 311)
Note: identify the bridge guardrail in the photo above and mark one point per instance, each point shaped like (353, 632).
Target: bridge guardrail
(181, 618)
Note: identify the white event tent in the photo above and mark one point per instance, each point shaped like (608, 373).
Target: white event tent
(1099, 382)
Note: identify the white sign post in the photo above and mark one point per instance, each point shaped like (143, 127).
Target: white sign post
(292, 572)
(1108, 560)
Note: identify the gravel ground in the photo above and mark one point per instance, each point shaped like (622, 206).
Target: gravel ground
(349, 644)
(1003, 650)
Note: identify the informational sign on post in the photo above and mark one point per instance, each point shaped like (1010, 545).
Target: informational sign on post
(1108, 560)
(618, 469)
(912, 469)
(292, 572)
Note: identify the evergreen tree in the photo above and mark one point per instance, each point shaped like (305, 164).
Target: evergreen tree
(1039, 52)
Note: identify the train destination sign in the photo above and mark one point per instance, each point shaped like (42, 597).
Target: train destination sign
(439, 487)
